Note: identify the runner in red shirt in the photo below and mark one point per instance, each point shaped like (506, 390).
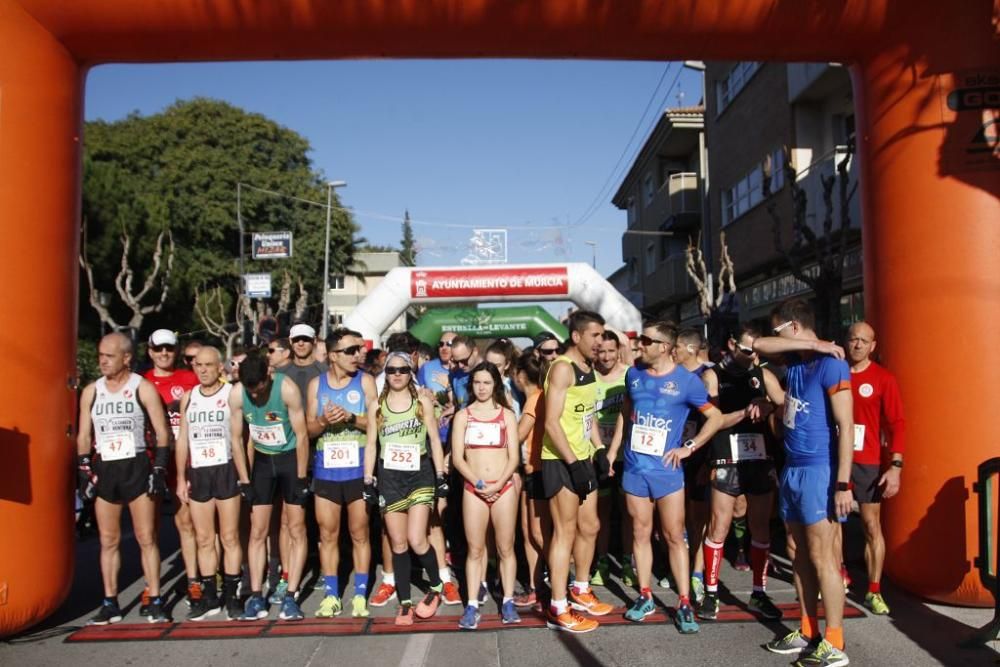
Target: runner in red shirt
(878, 410)
(171, 383)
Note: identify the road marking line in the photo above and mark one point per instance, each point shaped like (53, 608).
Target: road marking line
(415, 653)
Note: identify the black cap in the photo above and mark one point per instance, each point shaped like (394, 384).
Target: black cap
(542, 337)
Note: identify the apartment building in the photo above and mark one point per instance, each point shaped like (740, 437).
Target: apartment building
(661, 195)
(347, 291)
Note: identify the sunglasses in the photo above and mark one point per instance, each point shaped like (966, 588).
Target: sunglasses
(273, 350)
(548, 350)
(163, 348)
(646, 340)
(189, 358)
(744, 349)
(349, 351)
(444, 343)
(462, 362)
(302, 339)
(397, 370)
(778, 329)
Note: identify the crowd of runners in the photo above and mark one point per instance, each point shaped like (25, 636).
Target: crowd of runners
(568, 462)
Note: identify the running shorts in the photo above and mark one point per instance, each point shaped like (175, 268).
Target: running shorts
(555, 476)
(342, 493)
(399, 490)
(213, 482)
(752, 478)
(275, 472)
(866, 486)
(805, 494)
(652, 484)
(124, 480)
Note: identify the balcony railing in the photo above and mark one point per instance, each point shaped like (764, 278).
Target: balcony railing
(678, 197)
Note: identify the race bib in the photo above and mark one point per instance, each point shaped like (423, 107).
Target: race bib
(588, 426)
(791, 406)
(268, 436)
(648, 440)
(208, 452)
(116, 446)
(175, 424)
(341, 454)
(607, 432)
(402, 456)
(859, 437)
(747, 447)
(482, 434)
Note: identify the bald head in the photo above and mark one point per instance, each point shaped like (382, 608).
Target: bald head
(860, 343)
(114, 354)
(207, 366)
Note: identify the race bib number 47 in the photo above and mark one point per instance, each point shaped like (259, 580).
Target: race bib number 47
(116, 446)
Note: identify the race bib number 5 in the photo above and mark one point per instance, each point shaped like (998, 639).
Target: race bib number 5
(648, 440)
(341, 454)
(483, 434)
(402, 456)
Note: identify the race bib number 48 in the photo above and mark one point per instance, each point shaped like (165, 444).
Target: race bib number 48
(648, 440)
(402, 456)
(341, 454)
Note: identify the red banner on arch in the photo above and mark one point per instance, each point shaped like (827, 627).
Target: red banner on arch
(446, 283)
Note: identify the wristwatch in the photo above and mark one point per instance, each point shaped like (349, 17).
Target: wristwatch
(845, 486)
(897, 463)
(691, 444)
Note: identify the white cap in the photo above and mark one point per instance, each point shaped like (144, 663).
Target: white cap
(163, 337)
(302, 330)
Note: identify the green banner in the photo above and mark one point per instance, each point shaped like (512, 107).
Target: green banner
(510, 322)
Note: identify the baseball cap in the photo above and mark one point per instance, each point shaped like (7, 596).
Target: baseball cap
(542, 337)
(163, 337)
(302, 331)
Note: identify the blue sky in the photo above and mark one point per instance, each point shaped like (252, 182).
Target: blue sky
(510, 144)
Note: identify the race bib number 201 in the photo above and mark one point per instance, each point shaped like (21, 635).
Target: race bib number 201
(343, 454)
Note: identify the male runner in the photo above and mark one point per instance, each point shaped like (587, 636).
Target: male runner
(660, 395)
(272, 409)
(337, 417)
(210, 472)
(568, 475)
(190, 352)
(697, 509)
(877, 409)
(815, 491)
(171, 383)
(279, 354)
(742, 463)
(114, 414)
(434, 373)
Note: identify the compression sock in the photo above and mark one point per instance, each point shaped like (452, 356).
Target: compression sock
(835, 636)
(361, 584)
(712, 552)
(331, 584)
(401, 568)
(758, 563)
(428, 561)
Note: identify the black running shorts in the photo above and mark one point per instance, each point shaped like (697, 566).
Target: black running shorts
(752, 478)
(274, 472)
(399, 490)
(124, 480)
(866, 486)
(556, 476)
(342, 493)
(216, 482)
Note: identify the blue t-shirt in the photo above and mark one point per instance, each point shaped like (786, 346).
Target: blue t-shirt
(660, 406)
(459, 380)
(350, 397)
(427, 372)
(810, 430)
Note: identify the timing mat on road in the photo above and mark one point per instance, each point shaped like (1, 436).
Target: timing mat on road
(382, 625)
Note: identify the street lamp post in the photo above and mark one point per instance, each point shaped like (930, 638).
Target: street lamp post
(324, 326)
(593, 253)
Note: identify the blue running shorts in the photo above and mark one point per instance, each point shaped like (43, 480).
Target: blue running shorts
(805, 494)
(652, 484)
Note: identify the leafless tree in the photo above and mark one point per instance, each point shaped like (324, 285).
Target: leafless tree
(712, 291)
(157, 278)
(816, 257)
(210, 306)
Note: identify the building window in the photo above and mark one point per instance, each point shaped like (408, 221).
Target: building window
(650, 258)
(632, 212)
(336, 319)
(727, 89)
(749, 190)
(633, 272)
(648, 188)
(337, 282)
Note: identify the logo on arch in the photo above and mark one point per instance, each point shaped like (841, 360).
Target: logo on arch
(445, 283)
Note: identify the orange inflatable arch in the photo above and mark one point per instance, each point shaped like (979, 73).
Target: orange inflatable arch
(925, 79)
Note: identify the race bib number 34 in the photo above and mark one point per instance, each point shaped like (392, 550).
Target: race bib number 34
(342, 454)
(402, 456)
(648, 440)
(747, 447)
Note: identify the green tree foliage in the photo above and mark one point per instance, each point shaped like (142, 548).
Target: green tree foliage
(179, 169)
(408, 251)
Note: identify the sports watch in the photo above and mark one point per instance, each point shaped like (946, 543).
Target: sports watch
(845, 486)
(897, 463)
(690, 444)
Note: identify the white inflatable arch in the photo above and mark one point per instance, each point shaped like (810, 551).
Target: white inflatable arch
(576, 282)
